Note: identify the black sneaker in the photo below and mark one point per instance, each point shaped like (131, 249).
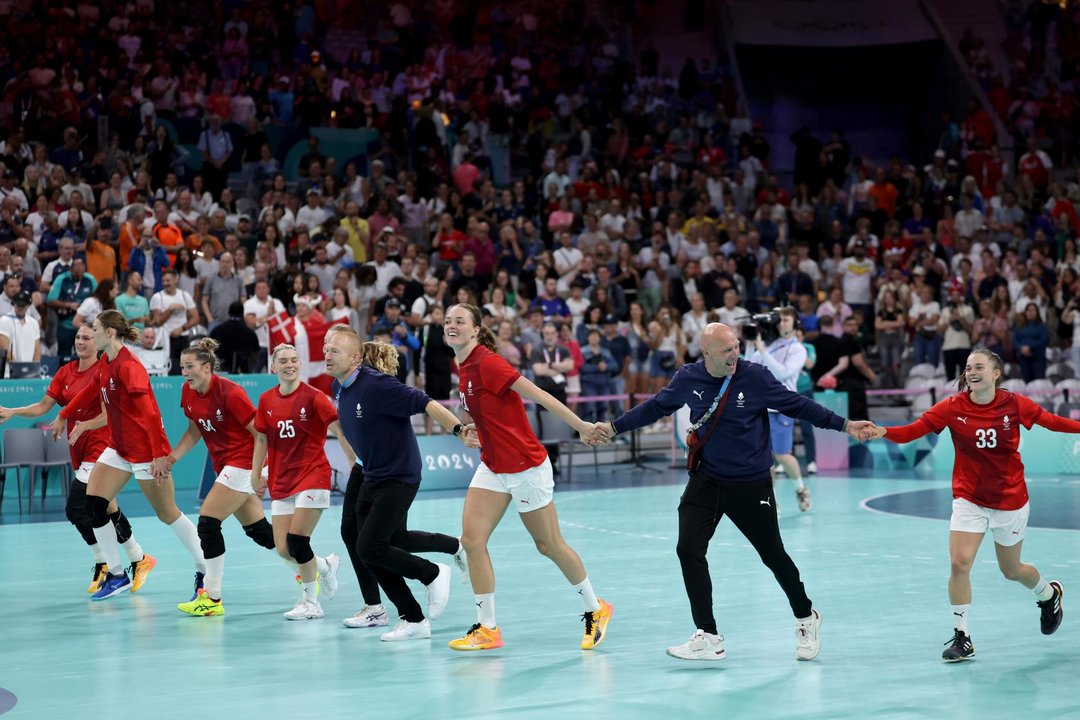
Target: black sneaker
(1050, 610)
(960, 648)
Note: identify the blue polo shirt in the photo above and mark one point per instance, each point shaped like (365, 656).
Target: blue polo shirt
(376, 412)
(739, 448)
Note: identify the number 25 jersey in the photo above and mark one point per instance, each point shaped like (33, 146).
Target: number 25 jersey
(295, 428)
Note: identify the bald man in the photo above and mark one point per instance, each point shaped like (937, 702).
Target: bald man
(375, 410)
(730, 473)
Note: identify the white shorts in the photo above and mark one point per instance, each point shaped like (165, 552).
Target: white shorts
(314, 499)
(531, 489)
(1008, 526)
(235, 478)
(141, 471)
(82, 473)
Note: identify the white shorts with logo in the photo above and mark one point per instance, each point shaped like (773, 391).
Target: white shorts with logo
(236, 478)
(1008, 526)
(82, 473)
(313, 499)
(141, 471)
(530, 489)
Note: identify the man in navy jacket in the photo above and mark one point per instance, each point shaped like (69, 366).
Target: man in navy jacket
(732, 476)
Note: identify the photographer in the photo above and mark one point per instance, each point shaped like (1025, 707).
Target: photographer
(956, 323)
(728, 402)
(785, 357)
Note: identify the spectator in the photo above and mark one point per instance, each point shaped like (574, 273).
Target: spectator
(1031, 337)
(20, 334)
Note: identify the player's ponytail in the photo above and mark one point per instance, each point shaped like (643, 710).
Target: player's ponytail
(486, 337)
(995, 362)
(204, 351)
(115, 320)
(382, 357)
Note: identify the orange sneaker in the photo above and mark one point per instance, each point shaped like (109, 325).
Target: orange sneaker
(596, 625)
(100, 571)
(479, 638)
(139, 571)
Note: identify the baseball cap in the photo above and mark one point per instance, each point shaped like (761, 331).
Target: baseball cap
(22, 298)
(8, 175)
(245, 216)
(610, 320)
(860, 243)
(387, 229)
(393, 303)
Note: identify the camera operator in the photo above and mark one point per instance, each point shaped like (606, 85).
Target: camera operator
(785, 357)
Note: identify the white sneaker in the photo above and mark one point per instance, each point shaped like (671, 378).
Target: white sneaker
(406, 630)
(807, 643)
(438, 592)
(811, 468)
(461, 560)
(803, 494)
(702, 646)
(368, 617)
(779, 469)
(305, 610)
(329, 585)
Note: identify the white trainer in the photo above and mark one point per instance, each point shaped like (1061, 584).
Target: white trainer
(329, 581)
(305, 610)
(702, 646)
(438, 592)
(461, 560)
(369, 616)
(803, 495)
(406, 630)
(811, 468)
(807, 642)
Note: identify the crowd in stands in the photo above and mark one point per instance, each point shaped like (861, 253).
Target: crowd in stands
(598, 208)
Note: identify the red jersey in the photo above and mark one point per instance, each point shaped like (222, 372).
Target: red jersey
(66, 384)
(987, 470)
(295, 428)
(222, 416)
(507, 443)
(133, 414)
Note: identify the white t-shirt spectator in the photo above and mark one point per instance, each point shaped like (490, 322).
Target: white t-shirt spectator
(856, 277)
(178, 317)
(23, 337)
(260, 309)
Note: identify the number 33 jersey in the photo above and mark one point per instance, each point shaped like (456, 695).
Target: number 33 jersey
(295, 427)
(987, 470)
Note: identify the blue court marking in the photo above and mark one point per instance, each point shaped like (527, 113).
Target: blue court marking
(1055, 506)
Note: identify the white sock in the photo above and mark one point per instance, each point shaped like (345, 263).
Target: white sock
(485, 610)
(321, 566)
(309, 591)
(960, 617)
(110, 549)
(1043, 590)
(133, 550)
(799, 484)
(588, 597)
(215, 567)
(99, 556)
(189, 536)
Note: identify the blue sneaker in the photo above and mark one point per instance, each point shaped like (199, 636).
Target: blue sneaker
(198, 584)
(113, 585)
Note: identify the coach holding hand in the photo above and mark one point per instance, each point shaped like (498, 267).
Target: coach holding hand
(729, 465)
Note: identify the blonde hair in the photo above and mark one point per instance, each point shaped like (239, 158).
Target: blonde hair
(280, 348)
(382, 357)
(204, 351)
(115, 320)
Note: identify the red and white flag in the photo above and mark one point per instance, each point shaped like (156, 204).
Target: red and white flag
(282, 329)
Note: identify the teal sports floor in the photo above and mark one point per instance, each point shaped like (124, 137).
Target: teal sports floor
(873, 554)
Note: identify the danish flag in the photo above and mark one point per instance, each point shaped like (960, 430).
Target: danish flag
(282, 329)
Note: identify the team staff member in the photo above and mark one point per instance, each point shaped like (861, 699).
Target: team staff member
(989, 491)
(291, 424)
(66, 384)
(785, 358)
(384, 358)
(514, 469)
(139, 447)
(375, 410)
(219, 411)
(730, 410)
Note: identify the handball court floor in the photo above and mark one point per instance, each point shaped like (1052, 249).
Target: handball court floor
(873, 554)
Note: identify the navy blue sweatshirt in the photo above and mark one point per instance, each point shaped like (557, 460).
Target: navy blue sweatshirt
(739, 447)
(376, 415)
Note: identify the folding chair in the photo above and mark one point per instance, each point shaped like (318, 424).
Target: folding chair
(23, 448)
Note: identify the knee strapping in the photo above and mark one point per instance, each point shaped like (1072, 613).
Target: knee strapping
(98, 509)
(261, 532)
(300, 548)
(213, 543)
(123, 527)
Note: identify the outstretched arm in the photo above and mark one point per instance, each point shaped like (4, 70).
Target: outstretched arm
(903, 433)
(526, 389)
(38, 409)
(1050, 421)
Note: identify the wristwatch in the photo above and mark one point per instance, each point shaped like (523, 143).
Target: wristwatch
(457, 429)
